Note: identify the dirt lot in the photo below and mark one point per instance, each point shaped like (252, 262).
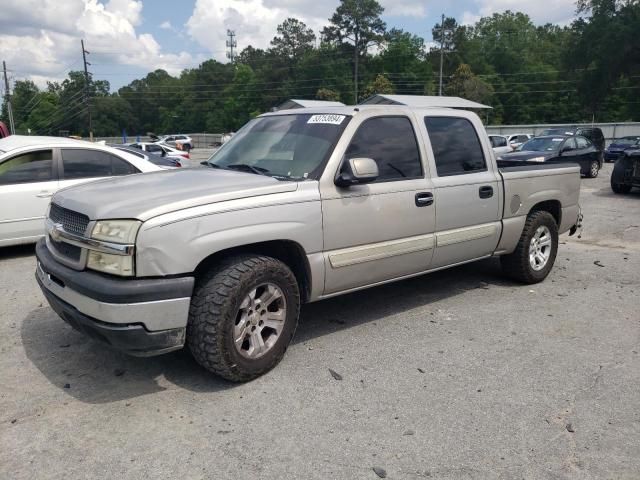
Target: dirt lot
(457, 375)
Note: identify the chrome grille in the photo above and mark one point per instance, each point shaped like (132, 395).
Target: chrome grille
(72, 222)
(67, 250)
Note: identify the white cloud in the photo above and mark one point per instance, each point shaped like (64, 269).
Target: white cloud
(558, 11)
(411, 8)
(166, 25)
(40, 39)
(253, 21)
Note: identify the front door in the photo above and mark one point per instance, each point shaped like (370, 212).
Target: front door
(467, 189)
(27, 182)
(382, 230)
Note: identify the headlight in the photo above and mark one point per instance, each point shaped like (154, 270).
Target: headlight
(537, 159)
(113, 231)
(116, 231)
(108, 263)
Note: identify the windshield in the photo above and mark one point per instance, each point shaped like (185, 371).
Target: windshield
(282, 146)
(542, 144)
(556, 131)
(627, 141)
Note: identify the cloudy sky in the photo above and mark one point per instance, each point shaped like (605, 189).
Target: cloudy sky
(40, 39)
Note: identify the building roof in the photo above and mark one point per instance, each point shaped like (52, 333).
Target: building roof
(297, 103)
(423, 101)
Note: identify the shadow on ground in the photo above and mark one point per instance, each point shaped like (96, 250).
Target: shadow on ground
(17, 251)
(94, 373)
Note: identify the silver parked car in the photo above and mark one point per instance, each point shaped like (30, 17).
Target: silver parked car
(300, 205)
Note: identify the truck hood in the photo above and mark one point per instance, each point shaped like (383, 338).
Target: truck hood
(148, 195)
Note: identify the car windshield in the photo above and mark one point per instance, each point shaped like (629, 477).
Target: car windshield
(283, 146)
(556, 131)
(542, 144)
(627, 141)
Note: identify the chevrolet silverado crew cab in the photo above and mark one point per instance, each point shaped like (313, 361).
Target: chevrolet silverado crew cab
(299, 206)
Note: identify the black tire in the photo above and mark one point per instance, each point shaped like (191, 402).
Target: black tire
(620, 187)
(594, 169)
(214, 308)
(620, 172)
(517, 265)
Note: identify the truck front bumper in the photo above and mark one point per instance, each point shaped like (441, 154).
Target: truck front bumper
(141, 317)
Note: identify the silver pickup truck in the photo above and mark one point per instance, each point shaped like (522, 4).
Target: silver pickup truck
(299, 206)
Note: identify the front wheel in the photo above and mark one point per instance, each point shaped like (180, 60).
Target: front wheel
(536, 251)
(620, 187)
(243, 316)
(594, 169)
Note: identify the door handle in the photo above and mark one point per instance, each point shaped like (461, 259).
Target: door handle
(44, 194)
(424, 199)
(486, 192)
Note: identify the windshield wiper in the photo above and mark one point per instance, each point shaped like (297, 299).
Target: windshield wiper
(248, 168)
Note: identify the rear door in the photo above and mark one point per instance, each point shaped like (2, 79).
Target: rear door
(27, 182)
(79, 165)
(467, 191)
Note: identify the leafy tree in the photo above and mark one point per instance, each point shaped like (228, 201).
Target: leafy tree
(608, 46)
(293, 40)
(466, 85)
(381, 84)
(358, 22)
(328, 94)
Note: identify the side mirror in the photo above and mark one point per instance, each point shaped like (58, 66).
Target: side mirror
(357, 171)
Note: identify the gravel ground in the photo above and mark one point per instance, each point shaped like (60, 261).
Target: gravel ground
(456, 375)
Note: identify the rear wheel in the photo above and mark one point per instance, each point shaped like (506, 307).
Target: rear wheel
(536, 251)
(594, 169)
(620, 187)
(621, 171)
(243, 315)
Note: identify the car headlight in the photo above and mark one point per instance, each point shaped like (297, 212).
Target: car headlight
(114, 264)
(116, 231)
(113, 231)
(537, 159)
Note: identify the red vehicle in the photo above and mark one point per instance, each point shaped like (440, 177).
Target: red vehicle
(4, 131)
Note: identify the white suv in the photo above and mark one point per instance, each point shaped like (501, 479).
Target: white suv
(173, 140)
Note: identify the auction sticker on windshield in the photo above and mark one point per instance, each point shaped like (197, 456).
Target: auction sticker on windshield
(328, 119)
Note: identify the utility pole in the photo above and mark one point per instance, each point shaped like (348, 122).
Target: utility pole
(231, 44)
(8, 99)
(86, 88)
(441, 51)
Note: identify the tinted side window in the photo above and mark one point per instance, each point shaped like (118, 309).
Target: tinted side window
(570, 144)
(582, 142)
(456, 146)
(498, 142)
(79, 163)
(120, 167)
(392, 143)
(28, 167)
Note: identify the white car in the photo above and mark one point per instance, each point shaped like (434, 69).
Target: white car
(160, 149)
(500, 144)
(516, 140)
(32, 169)
(173, 140)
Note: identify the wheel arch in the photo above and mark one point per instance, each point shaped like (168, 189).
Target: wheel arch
(289, 252)
(554, 207)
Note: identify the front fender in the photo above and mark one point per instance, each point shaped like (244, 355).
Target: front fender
(178, 247)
